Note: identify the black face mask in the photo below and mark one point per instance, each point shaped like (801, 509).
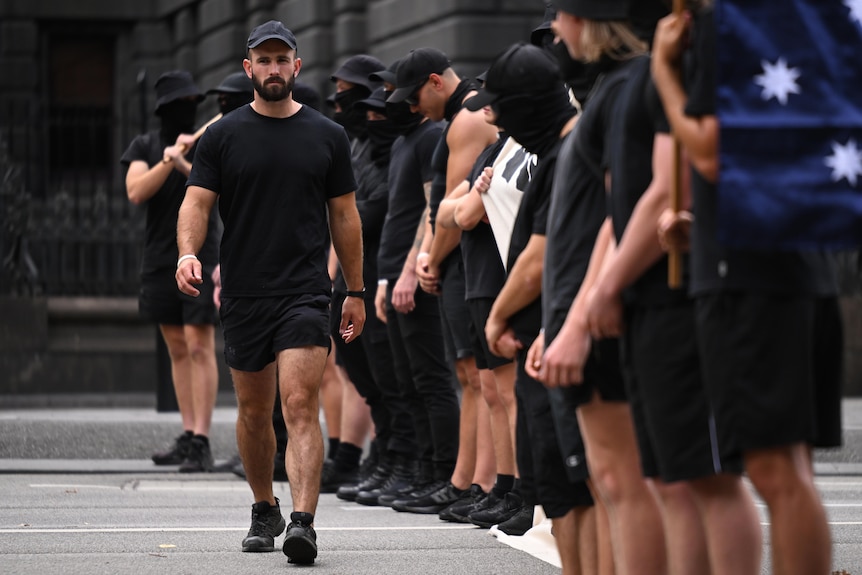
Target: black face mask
(535, 120)
(381, 134)
(178, 117)
(401, 116)
(228, 102)
(352, 119)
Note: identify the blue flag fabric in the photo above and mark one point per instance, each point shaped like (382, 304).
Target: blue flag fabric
(789, 103)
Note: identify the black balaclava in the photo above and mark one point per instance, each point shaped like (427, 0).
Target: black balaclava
(230, 101)
(536, 119)
(350, 117)
(401, 115)
(178, 117)
(381, 134)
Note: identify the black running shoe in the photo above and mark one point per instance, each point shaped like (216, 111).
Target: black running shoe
(458, 510)
(267, 523)
(228, 464)
(300, 543)
(504, 510)
(433, 502)
(520, 523)
(199, 457)
(374, 481)
(176, 453)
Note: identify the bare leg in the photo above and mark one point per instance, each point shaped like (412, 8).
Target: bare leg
(731, 523)
(504, 377)
(300, 371)
(604, 548)
(684, 532)
(200, 340)
(331, 396)
(255, 438)
(504, 453)
(355, 416)
(800, 536)
(635, 520)
(181, 372)
(465, 466)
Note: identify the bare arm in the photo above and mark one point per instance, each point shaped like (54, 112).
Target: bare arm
(699, 135)
(345, 228)
(192, 223)
(143, 182)
(446, 211)
(471, 210)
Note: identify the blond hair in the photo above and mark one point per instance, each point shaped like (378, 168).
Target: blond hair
(615, 39)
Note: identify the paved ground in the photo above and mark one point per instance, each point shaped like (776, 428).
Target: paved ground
(79, 494)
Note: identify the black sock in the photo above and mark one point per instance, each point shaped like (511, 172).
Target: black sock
(302, 517)
(503, 485)
(202, 438)
(334, 443)
(516, 487)
(347, 457)
(188, 434)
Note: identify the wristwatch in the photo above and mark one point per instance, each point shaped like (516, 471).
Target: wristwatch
(356, 293)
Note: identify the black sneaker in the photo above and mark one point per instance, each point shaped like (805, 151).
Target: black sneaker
(199, 457)
(228, 464)
(279, 473)
(176, 453)
(332, 477)
(433, 502)
(267, 523)
(505, 509)
(401, 481)
(418, 487)
(300, 543)
(520, 523)
(458, 510)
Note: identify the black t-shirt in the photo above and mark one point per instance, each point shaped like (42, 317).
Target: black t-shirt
(641, 117)
(715, 268)
(160, 239)
(274, 177)
(409, 170)
(579, 203)
(483, 271)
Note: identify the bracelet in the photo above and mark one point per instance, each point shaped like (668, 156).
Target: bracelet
(420, 254)
(356, 293)
(184, 258)
(383, 282)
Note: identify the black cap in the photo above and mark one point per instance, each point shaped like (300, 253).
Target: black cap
(175, 85)
(236, 83)
(387, 75)
(272, 30)
(376, 101)
(357, 69)
(543, 29)
(480, 79)
(596, 9)
(522, 69)
(415, 68)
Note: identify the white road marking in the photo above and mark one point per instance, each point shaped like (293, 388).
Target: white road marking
(221, 529)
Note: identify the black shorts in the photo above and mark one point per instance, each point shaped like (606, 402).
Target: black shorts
(480, 308)
(255, 329)
(538, 451)
(757, 355)
(454, 313)
(673, 422)
(162, 302)
(602, 374)
(828, 372)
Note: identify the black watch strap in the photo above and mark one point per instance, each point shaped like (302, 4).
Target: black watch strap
(356, 293)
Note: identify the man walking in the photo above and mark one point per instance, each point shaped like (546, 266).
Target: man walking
(280, 171)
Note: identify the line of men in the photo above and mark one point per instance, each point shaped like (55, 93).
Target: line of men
(514, 229)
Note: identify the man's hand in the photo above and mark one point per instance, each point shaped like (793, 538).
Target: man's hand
(380, 302)
(674, 230)
(428, 274)
(352, 318)
(670, 39)
(565, 358)
(604, 312)
(501, 338)
(534, 356)
(189, 274)
(403, 294)
(180, 147)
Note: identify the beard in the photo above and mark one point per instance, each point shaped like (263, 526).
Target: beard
(274, 89)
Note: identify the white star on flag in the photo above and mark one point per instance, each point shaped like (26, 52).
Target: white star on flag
(855, 10)
(845, 161)
(778, 80)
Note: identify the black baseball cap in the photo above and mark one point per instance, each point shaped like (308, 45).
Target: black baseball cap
(376, 101)
(544, 29)
(387, 75)
(597, 10)
(175, 85)
(414, 70)
(236, 83)
(272, 30)
(357, 70)
(522, 69)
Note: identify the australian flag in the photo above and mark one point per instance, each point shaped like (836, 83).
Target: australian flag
(789, 103)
